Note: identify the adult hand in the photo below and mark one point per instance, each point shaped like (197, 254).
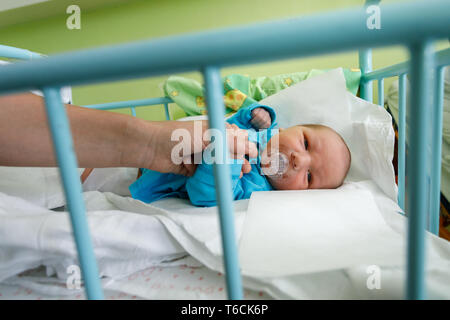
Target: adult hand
(240, 146)
(158, 153)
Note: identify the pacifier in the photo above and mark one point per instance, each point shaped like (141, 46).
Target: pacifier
(279, 164)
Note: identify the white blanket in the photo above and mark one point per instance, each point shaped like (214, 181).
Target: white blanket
(129, 236)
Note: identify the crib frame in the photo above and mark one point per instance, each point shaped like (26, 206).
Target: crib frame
(209, 51)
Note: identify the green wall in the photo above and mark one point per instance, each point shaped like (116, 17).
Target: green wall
(135, 20)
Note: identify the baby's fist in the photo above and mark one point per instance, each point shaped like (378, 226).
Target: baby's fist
(260, 118)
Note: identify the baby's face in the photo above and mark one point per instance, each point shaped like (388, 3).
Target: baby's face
(317, 158)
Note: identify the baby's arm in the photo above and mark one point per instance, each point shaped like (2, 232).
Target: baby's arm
(200, 187)
(255, 116)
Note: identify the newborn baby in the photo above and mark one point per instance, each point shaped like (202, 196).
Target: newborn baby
(297, 158)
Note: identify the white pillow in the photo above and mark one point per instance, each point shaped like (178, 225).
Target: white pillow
(365, 127)
(41, 186)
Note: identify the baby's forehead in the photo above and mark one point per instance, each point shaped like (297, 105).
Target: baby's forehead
(326, 134)
(319, 128)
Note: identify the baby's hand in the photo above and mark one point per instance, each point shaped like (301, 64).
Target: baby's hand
(260, 118)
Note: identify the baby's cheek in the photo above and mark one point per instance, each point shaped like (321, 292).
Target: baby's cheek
(281, 183)
(290, 183)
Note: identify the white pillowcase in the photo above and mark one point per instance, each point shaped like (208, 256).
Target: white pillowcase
(42, 186)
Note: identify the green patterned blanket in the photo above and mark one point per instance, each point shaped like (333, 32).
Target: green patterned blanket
(241, 90)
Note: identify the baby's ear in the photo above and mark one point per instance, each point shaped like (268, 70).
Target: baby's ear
(280, 129)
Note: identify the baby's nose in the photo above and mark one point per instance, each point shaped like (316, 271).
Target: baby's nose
(300, 161)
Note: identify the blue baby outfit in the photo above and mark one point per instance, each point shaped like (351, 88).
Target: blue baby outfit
(200, 188)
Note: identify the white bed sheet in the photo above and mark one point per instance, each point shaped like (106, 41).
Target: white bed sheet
(121, 243)
(180, 282)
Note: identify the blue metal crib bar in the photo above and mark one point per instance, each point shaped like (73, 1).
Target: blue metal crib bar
(67, 161)
(441, 59)
(365, 64)
(422, 62)
(401, 155)
(17, 53)
(207, 51)
(436, 150)
(132, 104)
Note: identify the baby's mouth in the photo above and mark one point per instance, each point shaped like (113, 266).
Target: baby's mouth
(278, 164)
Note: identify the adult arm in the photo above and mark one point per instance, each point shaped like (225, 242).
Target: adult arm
(101, 138)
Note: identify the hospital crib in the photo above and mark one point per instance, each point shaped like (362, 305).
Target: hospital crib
(414, 25)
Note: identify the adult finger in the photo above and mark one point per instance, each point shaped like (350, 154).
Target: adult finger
(244, 147)
(236, 141)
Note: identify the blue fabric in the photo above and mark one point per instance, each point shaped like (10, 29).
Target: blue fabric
(200, 188)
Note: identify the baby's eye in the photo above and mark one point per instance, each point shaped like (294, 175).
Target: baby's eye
(309, 177)
(306, 143)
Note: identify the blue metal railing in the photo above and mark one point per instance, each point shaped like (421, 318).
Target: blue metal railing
(319, 34)
(423, 62)
(16, 53)
(441, 59)
(132, 104)
(208, 51)
(67, 161)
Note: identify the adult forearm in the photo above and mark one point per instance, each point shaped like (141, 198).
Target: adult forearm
(101, 139)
